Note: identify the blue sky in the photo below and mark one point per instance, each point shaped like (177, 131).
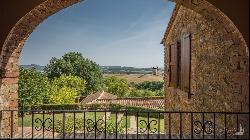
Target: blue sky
(110, 32)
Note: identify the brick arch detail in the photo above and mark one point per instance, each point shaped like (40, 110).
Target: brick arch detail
(9, 61)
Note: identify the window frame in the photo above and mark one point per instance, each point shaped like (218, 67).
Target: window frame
(181, 69)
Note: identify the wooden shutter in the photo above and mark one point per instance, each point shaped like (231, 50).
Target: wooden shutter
(185, 62)
(173, 55)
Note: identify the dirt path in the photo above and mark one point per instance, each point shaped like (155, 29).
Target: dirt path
(119, 117)
(108, 114)
(133, 126)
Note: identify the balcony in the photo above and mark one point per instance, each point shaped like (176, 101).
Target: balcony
(125, 124)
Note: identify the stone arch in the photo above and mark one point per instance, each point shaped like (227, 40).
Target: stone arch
(9, 60)
(15, 40)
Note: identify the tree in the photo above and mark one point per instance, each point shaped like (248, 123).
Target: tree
(119, 87)
(135, 93)
(65, 88)
(62, 95)
(160, 92)
(149, 85)
(149, 93)
(33, 87)
(73, 63)
(71, 82)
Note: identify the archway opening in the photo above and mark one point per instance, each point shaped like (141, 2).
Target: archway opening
(126, 48)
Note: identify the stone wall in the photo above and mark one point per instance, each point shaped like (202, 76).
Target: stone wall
(219, 66)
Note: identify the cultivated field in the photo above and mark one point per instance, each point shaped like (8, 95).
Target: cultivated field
(138, 78)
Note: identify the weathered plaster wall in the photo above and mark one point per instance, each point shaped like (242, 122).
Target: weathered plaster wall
(219, 68)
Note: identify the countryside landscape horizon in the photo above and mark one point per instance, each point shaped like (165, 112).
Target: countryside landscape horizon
(123, 38)
(40, 67)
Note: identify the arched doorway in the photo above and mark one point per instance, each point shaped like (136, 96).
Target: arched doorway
(14, 43)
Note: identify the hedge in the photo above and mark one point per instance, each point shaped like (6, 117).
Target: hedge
(141, 111)
(66, 107)
(131, 110)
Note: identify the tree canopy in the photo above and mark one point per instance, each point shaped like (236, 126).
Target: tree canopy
(33, 87)
(73, 63)
(116, 86)
(72, 82)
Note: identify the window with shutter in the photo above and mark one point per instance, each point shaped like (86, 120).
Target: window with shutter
(185, 62)
(173, 65)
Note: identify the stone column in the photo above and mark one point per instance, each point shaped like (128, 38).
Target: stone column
(8, 101)
(9, 95)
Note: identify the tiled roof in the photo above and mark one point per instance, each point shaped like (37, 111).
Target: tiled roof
(107, 95)
(104, 97)
(153, 102)
(98, 95)
(91, 97)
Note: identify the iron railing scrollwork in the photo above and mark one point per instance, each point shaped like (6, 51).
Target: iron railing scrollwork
(207, 127)
(46, 124)
(149, 126)
(96, 126)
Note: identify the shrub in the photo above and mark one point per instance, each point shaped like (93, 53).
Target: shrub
(33, 87)
(116, 86)
(142, 111)
(111, 127)
(55, 107)
(69, 125)
(72, 82)
(68, 106)
(149, 85)
(141, 93)
(115, 107)
(62, 95)
(64, 89)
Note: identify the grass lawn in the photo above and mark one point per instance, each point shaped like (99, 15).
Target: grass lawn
(154, 124)
(27, 119)
(111, 124)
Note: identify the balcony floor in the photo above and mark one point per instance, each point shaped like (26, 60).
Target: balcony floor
(27, 133)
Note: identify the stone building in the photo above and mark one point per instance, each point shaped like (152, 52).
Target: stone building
(155, 70)
(204, 69)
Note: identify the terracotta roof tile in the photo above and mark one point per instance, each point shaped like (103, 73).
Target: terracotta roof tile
(98, 95)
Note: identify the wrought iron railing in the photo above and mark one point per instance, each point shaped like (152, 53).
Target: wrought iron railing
(123, 124)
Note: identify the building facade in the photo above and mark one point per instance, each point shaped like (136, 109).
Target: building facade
(204, 69)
